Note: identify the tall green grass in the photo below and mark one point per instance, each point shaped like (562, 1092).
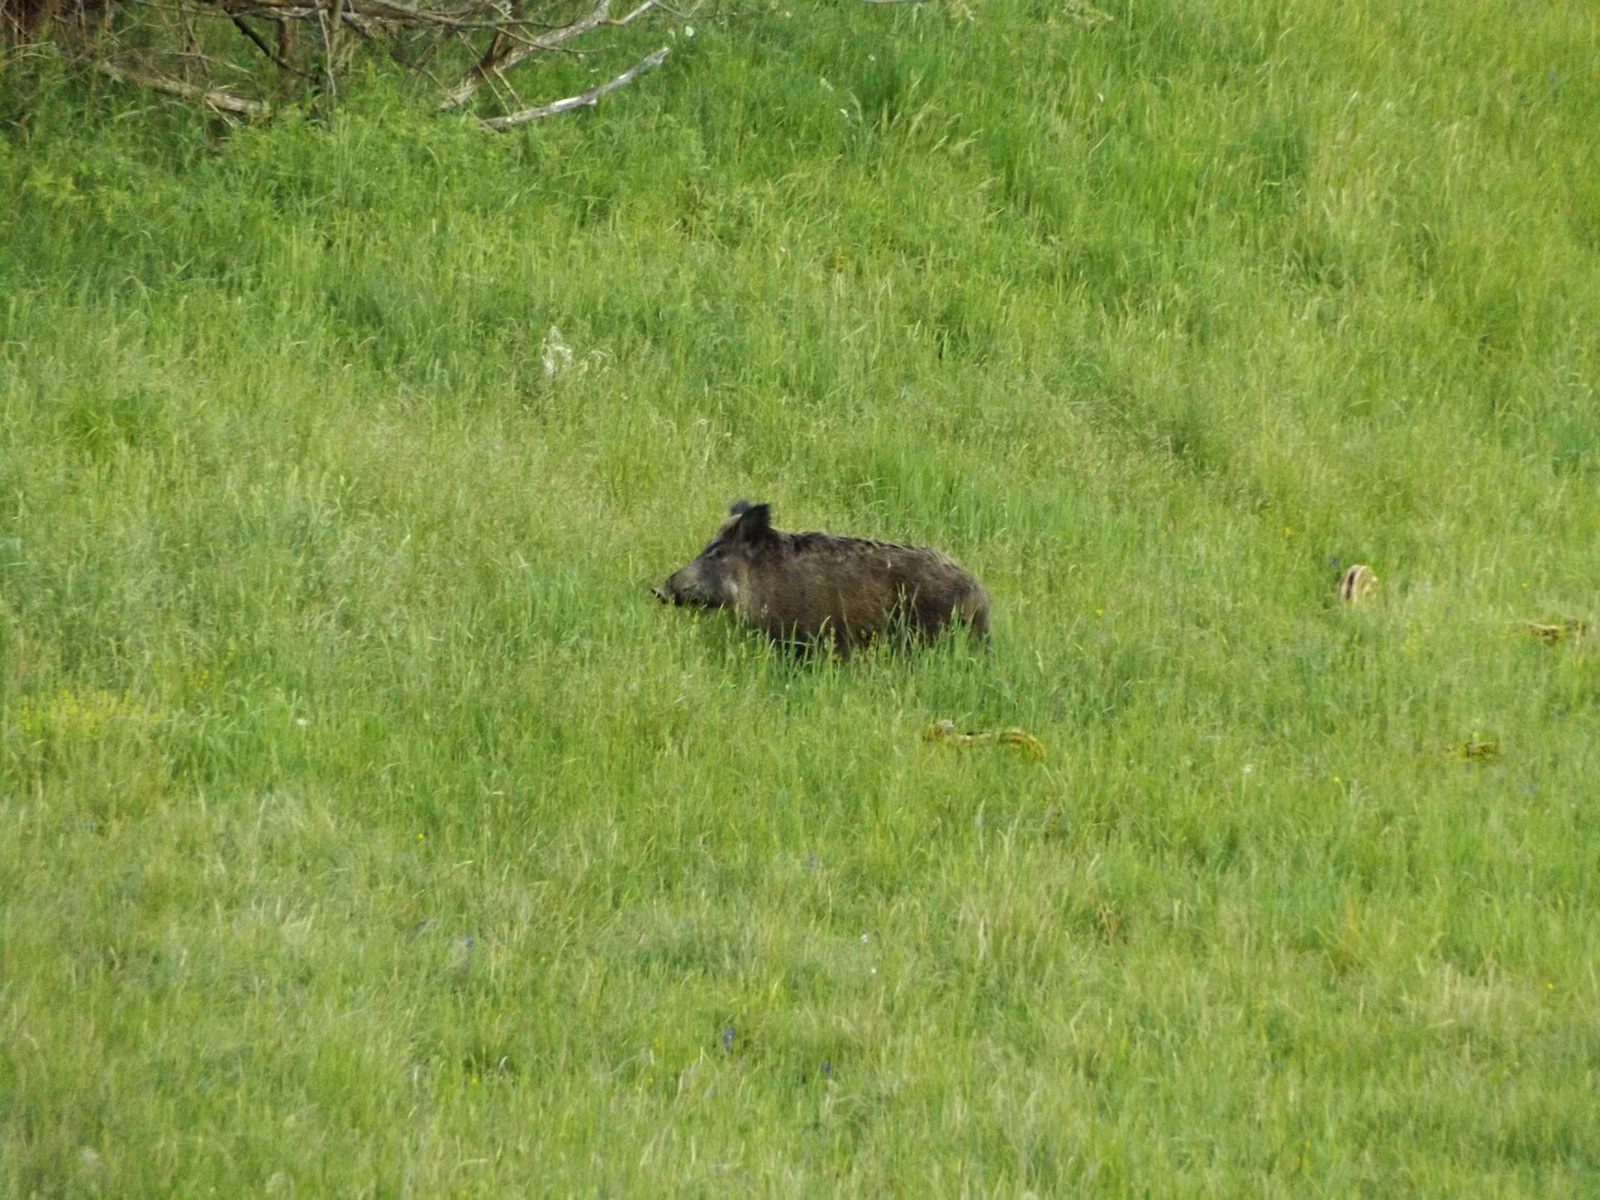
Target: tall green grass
(368, 829)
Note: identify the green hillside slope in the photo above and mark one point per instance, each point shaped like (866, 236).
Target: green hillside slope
(367, 829)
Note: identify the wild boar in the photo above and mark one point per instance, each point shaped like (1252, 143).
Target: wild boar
(819, 590)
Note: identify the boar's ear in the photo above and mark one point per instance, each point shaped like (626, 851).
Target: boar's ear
(738, 508)
(754, 523)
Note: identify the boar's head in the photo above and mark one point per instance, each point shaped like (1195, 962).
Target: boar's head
(720, 573)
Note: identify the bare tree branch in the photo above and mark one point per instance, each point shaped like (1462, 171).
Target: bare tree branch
(373, 9)
(327, 52)
(333, 43)
(496, 34)
(592, 96)
(645, 7)
(482, 14)
(217, 98)
(473, 80)
(502, 41)
(277, 58)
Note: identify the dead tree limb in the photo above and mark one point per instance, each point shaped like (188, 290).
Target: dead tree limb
(332, 39)
(592, 96)
(187, 48)
(280, 60)
(489, 64)
(217, 98)
(643, 8)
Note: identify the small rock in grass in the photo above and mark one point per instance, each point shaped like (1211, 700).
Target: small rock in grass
(946, 732)
(1558, 631)
(1358, 584)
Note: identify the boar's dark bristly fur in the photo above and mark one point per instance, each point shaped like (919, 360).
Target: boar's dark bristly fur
(816, 588)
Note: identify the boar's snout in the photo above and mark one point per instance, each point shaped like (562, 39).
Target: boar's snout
(690, 586)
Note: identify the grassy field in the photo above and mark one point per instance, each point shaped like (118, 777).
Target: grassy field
(366, 828)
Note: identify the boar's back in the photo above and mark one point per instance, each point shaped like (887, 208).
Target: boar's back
(804, 586)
